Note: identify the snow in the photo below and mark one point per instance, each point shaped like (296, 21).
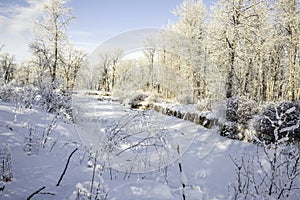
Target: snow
(290, 110)
(206, 164)
(290, 128)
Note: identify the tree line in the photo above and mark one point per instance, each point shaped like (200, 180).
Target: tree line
(250, 46)
(54, 61)
(254, 45)
(246, 48)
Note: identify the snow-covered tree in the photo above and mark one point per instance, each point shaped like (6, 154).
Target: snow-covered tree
(115, 59)
(73, 61)
(103, 71)
(287, 19)
(150, 54)
(106, 71)
(7, 67)
(233, 32)
(122, 76)
(26, 73)
(191, 23)
(50, 35)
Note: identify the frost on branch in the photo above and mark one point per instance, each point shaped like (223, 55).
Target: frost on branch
(5, 165)
(96, 188)
(52, 101)
(32, 143)
(270, 173)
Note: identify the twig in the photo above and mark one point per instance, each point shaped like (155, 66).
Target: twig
(93, 177)
(132, 146)
(62, 175)
(47, 193)
(50, 128)
(55, 142)
(181, 172)
(36, 192)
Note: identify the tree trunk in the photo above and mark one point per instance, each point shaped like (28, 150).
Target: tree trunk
(55, 52)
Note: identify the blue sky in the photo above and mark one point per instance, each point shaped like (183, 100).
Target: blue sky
(97, 20)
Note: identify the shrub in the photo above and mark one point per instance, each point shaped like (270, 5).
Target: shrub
(6, 173)
(232, 105)
(280, 121)
(272, 172)
(53, 101)
(136, 100)
(229, 129)
(246, 110)
(239, 112)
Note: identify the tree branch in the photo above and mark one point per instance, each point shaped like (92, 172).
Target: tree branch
(36, 192)
(62, 175)
(2, 46)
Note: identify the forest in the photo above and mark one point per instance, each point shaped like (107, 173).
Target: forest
(250, 47)
(213, 83)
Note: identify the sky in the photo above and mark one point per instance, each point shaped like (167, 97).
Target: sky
(96, 21)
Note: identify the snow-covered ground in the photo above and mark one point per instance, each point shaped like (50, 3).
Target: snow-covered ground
(142, 164)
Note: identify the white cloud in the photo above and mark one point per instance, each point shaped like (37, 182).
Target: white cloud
(16, 25)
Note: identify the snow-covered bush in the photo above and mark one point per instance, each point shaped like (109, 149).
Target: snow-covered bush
(272, 173)
(32, 143)
(53, 101)
(238, 114)
(140, 99)
(232, 105)
(21, 96)
(95, 189)
(136, 100)
(280, 121)
(246, 110)
(151, 100)
(4, 94)
(240, 109)
(229, 129)
(130, 98)
(5, 165)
